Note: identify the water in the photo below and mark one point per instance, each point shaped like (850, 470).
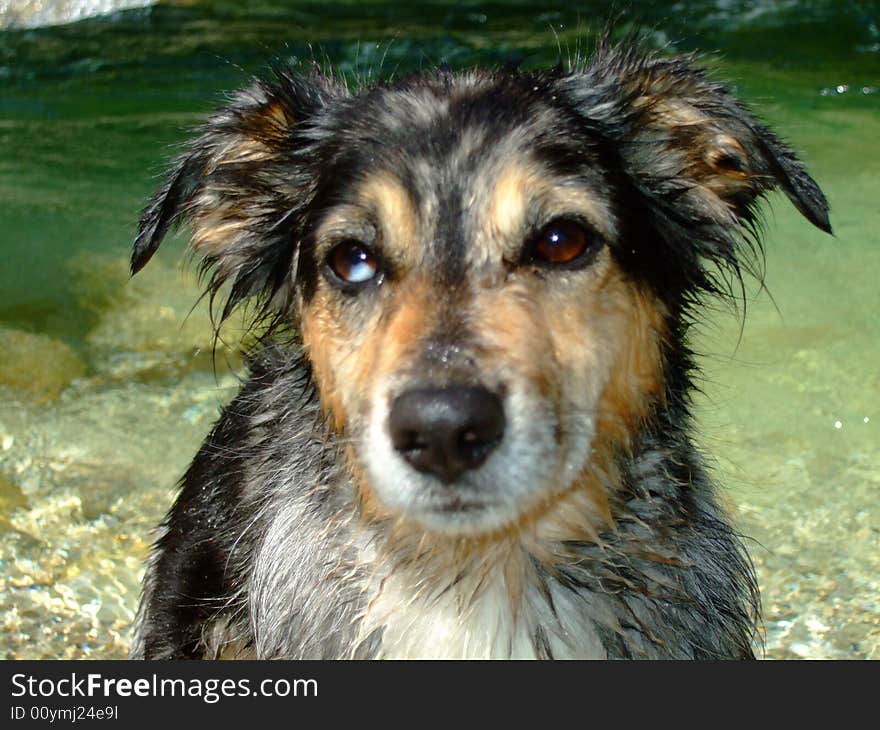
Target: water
(36, 13)
(107, 388)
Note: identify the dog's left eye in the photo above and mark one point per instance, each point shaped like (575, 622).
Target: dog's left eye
(565, 243)
(353, 262)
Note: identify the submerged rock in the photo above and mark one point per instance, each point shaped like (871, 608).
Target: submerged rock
(37, 365)
(152, 324)
(11, 497)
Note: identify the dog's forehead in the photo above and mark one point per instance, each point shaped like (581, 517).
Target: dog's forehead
(433, 127)
(460, 163)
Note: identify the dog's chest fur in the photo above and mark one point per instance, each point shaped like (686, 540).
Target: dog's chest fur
(601, 603)
(458, 625)
(382, 607)
(317, 581)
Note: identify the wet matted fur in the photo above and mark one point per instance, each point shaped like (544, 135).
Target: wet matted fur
(537, 241)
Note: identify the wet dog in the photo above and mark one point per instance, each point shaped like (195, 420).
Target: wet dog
(466, 431)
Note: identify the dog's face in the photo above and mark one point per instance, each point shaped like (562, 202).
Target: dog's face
(469, 327)
(485, 270)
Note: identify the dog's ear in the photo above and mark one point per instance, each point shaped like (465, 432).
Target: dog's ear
(682, 133)
(241, 186)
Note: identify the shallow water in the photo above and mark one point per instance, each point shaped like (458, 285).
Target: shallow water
(107, 388)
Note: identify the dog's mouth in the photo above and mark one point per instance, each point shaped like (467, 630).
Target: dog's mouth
(464, 459)
(456, 504)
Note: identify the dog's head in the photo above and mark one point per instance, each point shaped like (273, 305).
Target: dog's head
(487, 270)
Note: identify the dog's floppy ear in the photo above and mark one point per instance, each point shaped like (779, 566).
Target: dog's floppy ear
(681, 131)
(241, 185)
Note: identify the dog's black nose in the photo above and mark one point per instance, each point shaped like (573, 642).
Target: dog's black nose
(446, 431)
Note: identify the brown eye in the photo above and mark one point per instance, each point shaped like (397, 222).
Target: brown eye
(564, 242)
(353, 262)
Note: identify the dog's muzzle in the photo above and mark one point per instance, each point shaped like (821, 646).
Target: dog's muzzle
(446, 431)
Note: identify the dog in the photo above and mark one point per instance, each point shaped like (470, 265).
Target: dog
(466, 430)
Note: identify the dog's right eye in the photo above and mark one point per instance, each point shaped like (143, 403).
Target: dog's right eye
(563, 243)
(353, 263)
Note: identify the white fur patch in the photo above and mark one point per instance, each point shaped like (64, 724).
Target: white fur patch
(456, 623)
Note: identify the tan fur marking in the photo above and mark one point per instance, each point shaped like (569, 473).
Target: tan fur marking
(216, 229)
(637, 378)
(386, 350)
(397, 215)
(708, 149)
(271, 126)
(511, 338)
(520, 186)
(671, 112)
(265, 133)
(507, 205)
(321, 337)
(245, 149)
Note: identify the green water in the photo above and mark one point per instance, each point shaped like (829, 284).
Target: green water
(106, 388)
